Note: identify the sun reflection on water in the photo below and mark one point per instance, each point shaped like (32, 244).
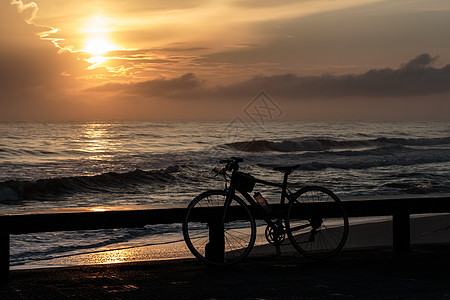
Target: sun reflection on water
(97, 141)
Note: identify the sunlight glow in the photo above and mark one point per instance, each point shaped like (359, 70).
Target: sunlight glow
(95, 61)
(98, 45)
(95, 209)
(97, 25)
(97, 31)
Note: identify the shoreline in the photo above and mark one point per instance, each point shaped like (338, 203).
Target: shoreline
(425, 229)
(369, 273)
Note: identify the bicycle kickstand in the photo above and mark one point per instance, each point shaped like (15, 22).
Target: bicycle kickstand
(277, 250)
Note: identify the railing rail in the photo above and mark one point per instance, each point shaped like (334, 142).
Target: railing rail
(399, 208)
(66, 221)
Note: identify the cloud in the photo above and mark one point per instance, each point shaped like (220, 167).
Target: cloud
(183, 49)
(33, 75)
(27, 61)
(420, 62)
(349, 40)
(156, 87)
(416, 78)
(29, 10)
(267, 3)
(141, 56)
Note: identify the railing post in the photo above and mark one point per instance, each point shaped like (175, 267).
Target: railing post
(401, 233)
(215, 249)
(4, 255)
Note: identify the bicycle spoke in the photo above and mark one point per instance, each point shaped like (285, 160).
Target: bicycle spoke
(239, 234)
(328, 235)
(300, 227)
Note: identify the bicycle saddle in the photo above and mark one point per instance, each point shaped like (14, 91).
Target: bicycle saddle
(286, 169)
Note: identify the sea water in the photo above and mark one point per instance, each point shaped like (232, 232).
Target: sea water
(158, 164)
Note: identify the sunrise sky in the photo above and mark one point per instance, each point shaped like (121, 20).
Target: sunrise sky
(199, 59)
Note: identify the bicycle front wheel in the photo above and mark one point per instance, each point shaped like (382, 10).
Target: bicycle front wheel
(316, 223)
(216, 235)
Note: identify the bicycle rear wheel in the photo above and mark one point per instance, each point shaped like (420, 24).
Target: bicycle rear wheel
(215, 236)
(316, 223)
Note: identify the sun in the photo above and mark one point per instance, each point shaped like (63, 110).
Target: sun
(97, 31)
(98, 45)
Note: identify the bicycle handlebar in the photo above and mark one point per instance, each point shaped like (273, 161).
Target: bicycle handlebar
(231, 160)
(231, 164)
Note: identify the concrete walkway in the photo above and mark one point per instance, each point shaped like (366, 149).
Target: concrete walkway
(369, 273)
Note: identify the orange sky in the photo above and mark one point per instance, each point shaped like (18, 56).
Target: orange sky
(66, 59)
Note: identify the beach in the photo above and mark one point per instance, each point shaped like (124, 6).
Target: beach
(425, 229)
(366, 269)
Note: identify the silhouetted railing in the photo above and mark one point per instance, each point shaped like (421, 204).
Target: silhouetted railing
(399, 208)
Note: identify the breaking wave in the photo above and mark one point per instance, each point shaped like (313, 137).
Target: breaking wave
(25, 189)
(324, 144)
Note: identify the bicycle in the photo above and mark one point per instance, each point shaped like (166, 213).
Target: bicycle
(220, 229)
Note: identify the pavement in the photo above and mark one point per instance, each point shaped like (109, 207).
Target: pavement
(365, 273)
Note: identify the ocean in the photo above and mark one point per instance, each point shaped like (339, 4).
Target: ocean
(56, 165)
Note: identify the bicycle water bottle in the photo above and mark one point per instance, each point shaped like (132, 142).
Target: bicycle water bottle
(263, 202)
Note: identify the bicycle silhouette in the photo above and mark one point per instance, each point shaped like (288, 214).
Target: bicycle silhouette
(220, 228)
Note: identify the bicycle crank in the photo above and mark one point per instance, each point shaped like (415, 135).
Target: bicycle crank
(275, 235)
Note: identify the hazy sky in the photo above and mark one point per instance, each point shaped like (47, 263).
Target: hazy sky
(199, 59)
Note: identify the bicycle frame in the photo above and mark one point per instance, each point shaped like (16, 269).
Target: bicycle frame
(284, 194)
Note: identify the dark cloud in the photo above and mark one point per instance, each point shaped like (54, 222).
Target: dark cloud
(418, 77)
(156, 87)
(420, 62)
(415, 78)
